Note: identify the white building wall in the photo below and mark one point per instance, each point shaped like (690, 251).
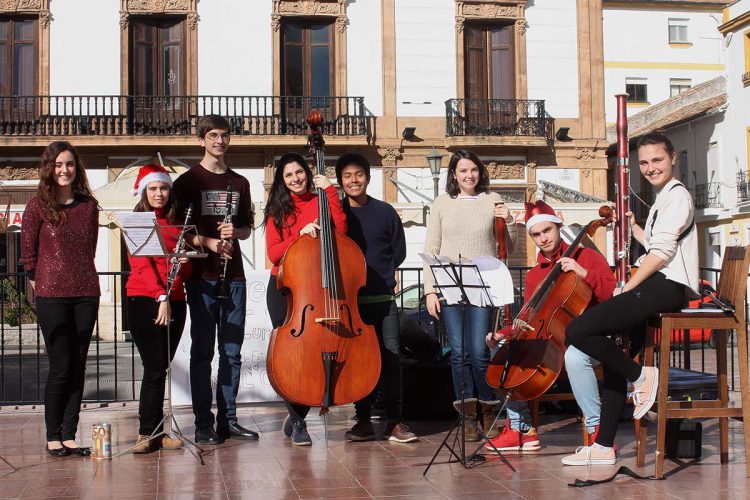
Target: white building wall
(235, 49)
(85, 47)
(364, 51)
(552, 56)
(425, 56)
(645, 52)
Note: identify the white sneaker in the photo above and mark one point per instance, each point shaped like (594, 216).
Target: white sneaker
(589, 455)
(644, 394)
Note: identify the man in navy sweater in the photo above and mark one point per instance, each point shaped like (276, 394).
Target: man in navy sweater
(377, 229)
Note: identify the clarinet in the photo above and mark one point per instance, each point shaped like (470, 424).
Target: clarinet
(222, 286)
(179, 247)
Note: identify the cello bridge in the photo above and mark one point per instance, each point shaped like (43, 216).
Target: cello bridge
(327, 320)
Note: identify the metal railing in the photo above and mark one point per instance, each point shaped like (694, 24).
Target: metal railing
(496, 117)
(743, 187)
(175, 115)
(708, 195)
(114, 369)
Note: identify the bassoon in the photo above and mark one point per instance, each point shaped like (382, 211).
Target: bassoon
(622, 195)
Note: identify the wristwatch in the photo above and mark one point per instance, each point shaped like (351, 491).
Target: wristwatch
(162, 298)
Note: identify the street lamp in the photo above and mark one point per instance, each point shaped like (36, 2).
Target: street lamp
(434, 159)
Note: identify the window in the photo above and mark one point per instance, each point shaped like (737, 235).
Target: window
(678, 86)
(307, 59)
(490, 72)
(18, 55)
(636, 89)
(157, 57)
(678, 31)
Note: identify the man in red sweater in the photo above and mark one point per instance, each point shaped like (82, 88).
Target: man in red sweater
(544, 226)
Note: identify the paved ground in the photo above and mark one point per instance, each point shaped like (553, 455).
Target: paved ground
(272, 468)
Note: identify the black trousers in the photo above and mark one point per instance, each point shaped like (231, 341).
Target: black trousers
(276, 303)
(67, 324)
(156, 354)
(626, 312)
(384, 317)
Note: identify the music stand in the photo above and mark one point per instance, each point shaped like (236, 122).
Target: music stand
(146, 248)
(450, 277)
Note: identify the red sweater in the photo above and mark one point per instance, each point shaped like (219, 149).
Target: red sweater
(148, 275)
(599, 277)
(305, 212)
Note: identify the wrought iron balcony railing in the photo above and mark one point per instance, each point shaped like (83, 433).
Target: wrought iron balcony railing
(708, 195)
(175, 115)
(496, 117)
(743, 187)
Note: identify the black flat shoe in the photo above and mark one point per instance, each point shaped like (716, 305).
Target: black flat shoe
(236, 431)
(57, 452)
(79, 452)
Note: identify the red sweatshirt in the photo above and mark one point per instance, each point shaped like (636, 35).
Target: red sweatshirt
(599, 277)
(305, 212)
(148, 275)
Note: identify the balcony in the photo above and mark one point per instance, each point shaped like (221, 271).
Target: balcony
(516, 122)
(708, 195)
(743, 187)
(159, 117)
(746, 79)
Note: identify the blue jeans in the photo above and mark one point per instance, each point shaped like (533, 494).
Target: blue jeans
(580, 368)
(208, 316)
(477, 323)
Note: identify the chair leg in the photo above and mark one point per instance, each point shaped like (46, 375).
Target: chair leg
(534, 407)
(586, 438)
(641, 433)
(723, 389)
(663, 392)
(745, 392)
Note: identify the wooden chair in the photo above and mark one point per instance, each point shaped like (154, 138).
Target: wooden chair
(732, 286)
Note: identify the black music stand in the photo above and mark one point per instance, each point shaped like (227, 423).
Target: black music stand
(168, 421)
(453, 279)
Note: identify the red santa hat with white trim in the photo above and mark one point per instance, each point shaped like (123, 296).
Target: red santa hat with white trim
(539, 212)
(150, 173)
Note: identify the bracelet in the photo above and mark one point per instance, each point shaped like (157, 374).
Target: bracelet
(622, 289)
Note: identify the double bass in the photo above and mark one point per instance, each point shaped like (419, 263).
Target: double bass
(532, 356)
(324, 354)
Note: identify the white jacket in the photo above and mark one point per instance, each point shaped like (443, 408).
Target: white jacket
(672, 213)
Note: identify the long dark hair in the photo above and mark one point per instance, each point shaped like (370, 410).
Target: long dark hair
(144, 206)
(47, 191)
(451, 184)
(280, 205)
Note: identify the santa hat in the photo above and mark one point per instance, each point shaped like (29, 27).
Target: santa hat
(150, 173)
(539, 212)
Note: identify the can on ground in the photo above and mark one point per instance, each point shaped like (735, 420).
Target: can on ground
(101, 438)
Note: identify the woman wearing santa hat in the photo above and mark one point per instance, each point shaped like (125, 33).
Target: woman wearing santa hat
(462, 221)
(150, 310)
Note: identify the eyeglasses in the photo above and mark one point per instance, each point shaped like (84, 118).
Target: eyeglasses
(214, 136)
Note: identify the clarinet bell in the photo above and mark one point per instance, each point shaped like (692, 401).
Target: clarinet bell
(222, 289)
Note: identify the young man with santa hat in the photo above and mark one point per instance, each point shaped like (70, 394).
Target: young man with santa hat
(544, 226)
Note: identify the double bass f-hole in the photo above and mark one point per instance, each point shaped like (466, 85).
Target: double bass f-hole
(355, 331)
(296, 333)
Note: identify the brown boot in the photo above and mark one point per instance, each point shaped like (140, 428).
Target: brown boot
(470, 417)
(167, 442)
(487, 417)
(142, 445)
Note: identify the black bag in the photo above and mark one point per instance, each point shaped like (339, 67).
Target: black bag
(684, 438)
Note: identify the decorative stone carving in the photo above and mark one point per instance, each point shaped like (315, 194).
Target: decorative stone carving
(192, 20)
(311, 8)
(389, 156)
(341, 23)
(19, 173)
(586, 172)
(330, 171)
(511, 10)
(24, 6)
(124, 20)
(158, 7)
(505, 171)
(44, 18)
(275, 22)
(585, 155)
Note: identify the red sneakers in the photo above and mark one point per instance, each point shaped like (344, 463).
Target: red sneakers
(513, 440)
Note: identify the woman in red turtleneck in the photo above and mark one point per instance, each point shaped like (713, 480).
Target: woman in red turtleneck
(291, 211)
(150, 310)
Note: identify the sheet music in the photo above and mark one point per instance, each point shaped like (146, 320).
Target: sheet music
(451, 295)
(139, 234)
(489, 272)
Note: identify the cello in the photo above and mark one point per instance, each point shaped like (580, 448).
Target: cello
(324, 354)
(532, 356)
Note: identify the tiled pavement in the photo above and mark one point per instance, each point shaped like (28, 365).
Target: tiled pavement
(273, 469)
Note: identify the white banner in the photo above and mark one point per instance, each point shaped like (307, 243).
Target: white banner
(254, 385)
